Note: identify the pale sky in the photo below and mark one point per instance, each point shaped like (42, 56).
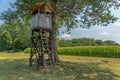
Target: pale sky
(4, 4)
(110, 32)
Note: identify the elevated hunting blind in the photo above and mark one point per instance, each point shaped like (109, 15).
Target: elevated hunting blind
(41, 16)
(41, 26)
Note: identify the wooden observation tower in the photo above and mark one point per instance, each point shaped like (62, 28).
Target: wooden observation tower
(41, 26)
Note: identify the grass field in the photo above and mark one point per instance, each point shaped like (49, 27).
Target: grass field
(16, 67)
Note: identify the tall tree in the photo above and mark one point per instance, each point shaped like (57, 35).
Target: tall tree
(53, 33)
(70, 13)
(5, 40)
(16, 31)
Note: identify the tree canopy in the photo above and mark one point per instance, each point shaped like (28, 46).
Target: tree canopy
(70, 13)
(14, 36)
(5, 40)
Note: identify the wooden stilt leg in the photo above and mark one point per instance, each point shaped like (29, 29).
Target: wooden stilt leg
(40, 46)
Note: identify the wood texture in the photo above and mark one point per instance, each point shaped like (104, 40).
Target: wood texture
(41, 21)
(40, 48)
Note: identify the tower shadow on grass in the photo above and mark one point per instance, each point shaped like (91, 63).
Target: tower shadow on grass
(19, 69)
(83, 71)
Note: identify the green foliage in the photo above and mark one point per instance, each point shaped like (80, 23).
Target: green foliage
(96, 51)
(19, 34)
(27, 50)
(109, 42)
(5, 40)
(84, 42)
(69, 12)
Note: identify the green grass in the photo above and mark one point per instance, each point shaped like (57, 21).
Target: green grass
(15, 66)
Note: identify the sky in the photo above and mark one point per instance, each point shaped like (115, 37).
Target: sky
(4, 4)
(110, 32)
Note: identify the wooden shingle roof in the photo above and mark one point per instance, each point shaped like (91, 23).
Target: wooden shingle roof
(42, 7)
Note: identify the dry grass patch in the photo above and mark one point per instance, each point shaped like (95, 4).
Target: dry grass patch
(16, 67)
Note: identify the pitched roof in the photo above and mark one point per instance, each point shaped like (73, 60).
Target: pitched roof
(41, 7)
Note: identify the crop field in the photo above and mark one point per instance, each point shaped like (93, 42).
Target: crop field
(95, 51)
(15, 66)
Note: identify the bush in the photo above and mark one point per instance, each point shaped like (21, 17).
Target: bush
(27, 50)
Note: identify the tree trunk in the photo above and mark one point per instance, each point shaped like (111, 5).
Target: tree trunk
(55, 58)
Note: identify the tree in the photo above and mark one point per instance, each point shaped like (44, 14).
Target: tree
(109, 42)
(98, 42)
(5, 40)
(85, 42)
(20, 35)
(70, 13)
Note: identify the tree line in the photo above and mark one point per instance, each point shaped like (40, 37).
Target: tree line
(84, 42)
